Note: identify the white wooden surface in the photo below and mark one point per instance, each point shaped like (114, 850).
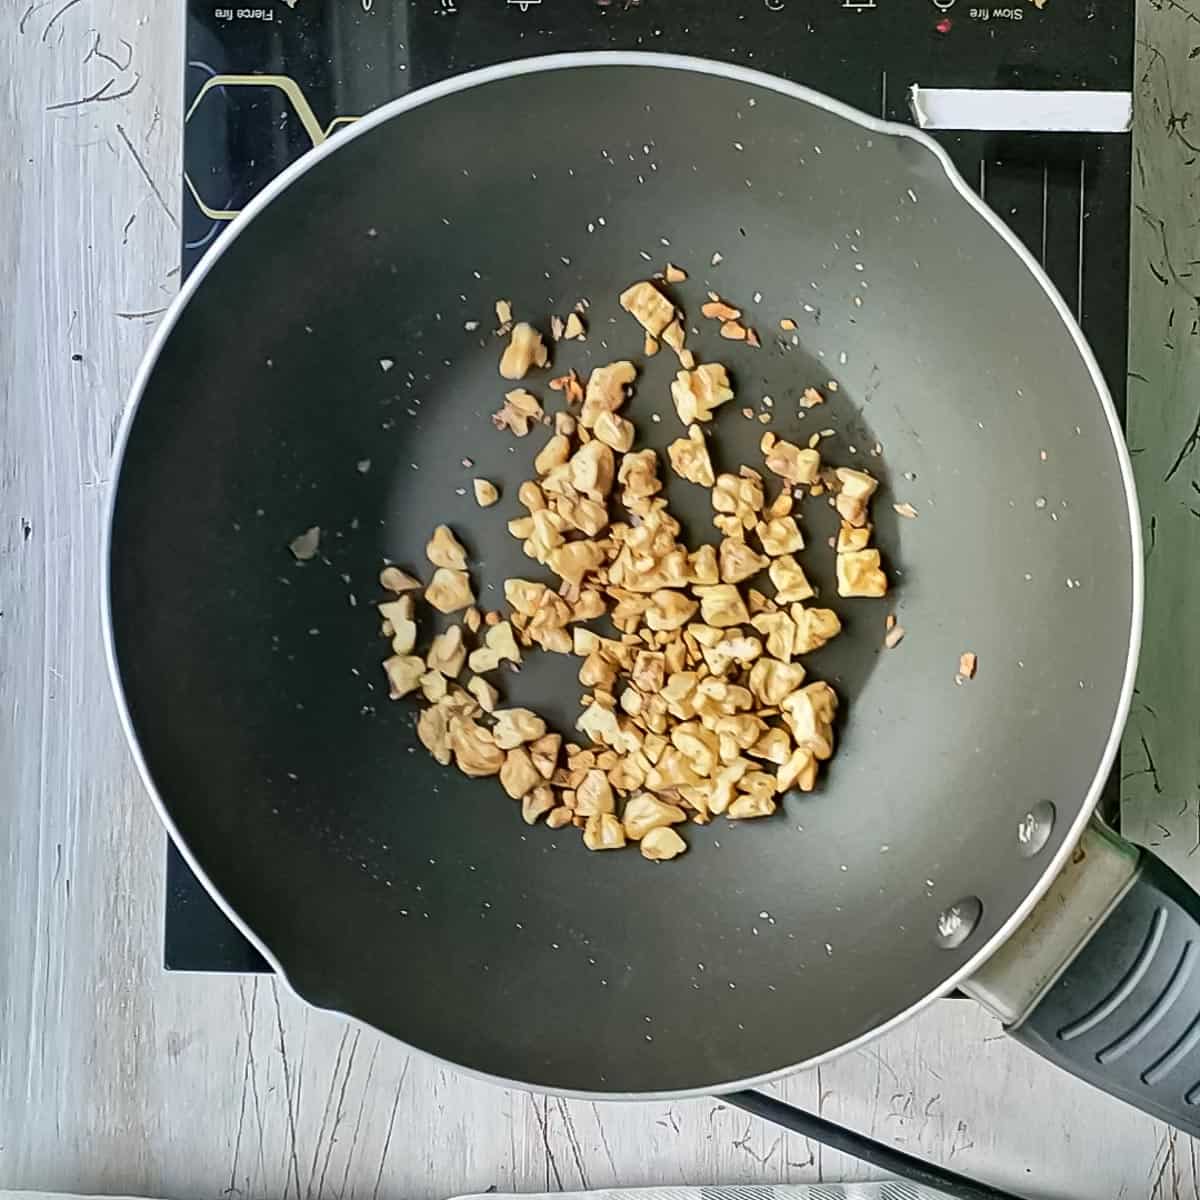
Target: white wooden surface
(118, 1078)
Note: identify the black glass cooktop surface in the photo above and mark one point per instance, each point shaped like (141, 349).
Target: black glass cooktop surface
(266, 83)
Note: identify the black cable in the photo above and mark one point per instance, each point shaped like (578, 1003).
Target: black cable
(857, 1145)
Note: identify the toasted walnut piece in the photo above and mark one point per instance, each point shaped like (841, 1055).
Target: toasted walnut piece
(811, 398)
(738, 561)
(553, 454)
(614, 431)
(544, 753)
(756, 797)
(433, 686)
(587, 515)
(483, 691)
(718, 310)
(603, 832)
(486, 492)
(593, 470)
(574, 329)
(574, 560)
(517, 775)
(721, 605)
(449, 590)
(669, 610)
(674, 274)
(697, 392)
(780, 536)
(799, 771)
(661, 845)
(393, 579)
(689, 458)
(727, 778)
(606, 390)
(433, 729)
(774, 746)
(674, 336)
(472, 619)
(499, 645)
(516, 726)
(855, 491)
(594, 794)
(790, 582)
(559, 817)
(850, 539)
(504, 314)
(780, 632)
(649, 671)
(734, 331)
(445, 550)
(536, 803)
(645, 812)
(475, 752)
(772, 681)
(968, 663)
(814, 627)
(733, 648)
(524, 350)
(523, 595)
(648, 306)
(305, 545)
(404, 674)
(859, 574)
(649, 346)
(809, 712)
(519, 411)
(639, 477)
(398, 621)
(798, 466)
(447, 653)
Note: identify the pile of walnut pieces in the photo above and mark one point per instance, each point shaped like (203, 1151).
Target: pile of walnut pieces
(698, 707)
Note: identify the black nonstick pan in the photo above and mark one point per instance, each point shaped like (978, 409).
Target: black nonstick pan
(323, 367)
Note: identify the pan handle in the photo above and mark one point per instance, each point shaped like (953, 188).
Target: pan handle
(1103, 978)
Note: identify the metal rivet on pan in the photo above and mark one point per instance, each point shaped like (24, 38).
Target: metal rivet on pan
(1034, 828)
(956, 922)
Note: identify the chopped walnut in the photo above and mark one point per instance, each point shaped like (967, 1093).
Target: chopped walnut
(449, 590)
(738, 561)
(475, 752)
(393, 579)
(536, 803)
(689, 458)
(524, 351)
(809, 712)
(305, 545)
(669, 610)
(593, 469)
(603, 832)
(798, 466)
(447, 653)
(859, 574)
(780, 633)
(857, 488)
(698, 392)
(433, 730)
(404, 673)
(850, 539)
(648, 306)
(814, 627)
(519, 411)
(445, 550)
(606, 391)
(486, 493)
(811, 398)
(516, 726)
(721, 605)
(772, 681)
(662, 844)
(574, 329)
(968, 663)
(780, 536)
(487, 696)
(791, 584)
(614, 431)
(799, 771)
(499, 645)
(674, 274)
(518, 774)
(399, 624)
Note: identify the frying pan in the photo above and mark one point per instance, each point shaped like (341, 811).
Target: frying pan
(322, 367)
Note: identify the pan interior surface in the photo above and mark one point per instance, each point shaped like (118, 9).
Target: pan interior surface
(328, 372)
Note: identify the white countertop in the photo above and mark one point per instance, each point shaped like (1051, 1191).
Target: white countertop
(116, 1077)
